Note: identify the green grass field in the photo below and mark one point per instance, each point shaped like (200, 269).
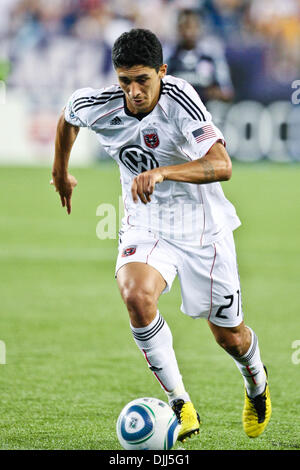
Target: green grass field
(71, 362)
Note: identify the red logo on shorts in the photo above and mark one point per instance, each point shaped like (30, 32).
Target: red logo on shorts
(128, 251)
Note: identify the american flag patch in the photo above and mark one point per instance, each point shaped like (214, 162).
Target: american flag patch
(203, 133)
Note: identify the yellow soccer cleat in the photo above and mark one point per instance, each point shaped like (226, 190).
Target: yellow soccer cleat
(188, 418)
(257, 412)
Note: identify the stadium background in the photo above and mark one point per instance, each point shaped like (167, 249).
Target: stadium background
(70, 362)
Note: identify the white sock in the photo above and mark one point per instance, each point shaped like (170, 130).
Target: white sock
(251, 368)
(156, 343)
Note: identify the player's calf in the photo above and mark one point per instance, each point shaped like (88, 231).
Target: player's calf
(242, 344)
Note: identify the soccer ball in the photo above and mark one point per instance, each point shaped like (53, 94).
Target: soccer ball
(147, 424)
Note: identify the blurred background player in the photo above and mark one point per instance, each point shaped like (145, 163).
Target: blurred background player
(200, 60)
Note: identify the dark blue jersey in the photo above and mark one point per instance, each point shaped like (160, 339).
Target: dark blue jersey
(201, 69)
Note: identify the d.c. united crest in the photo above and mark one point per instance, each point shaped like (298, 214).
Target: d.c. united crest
(130, 250)
(151, 138)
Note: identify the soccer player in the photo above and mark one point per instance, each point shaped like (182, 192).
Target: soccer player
(177, 220)
(200, 60)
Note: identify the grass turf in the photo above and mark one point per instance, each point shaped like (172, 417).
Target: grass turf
(71, 361)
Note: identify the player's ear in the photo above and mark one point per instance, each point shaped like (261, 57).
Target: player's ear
(162, 70)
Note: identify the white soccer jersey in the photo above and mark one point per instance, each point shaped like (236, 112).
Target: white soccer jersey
(177, 130)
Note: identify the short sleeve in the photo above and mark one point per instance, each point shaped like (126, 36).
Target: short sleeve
(197, 126)
(75, 104)
(201, 137)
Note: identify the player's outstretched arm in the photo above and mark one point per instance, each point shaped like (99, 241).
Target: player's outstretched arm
(64, 182)
(214, 166)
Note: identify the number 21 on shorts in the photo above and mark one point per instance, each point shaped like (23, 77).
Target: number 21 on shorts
(221, 313)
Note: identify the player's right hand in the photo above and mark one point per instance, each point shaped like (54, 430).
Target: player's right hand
(64, 186)
(143, 184)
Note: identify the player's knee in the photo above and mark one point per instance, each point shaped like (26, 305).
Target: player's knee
(140, 304)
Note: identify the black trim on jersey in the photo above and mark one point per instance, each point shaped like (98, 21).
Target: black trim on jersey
(104, 94)
(184, 100)
(193, 109)
(88, 102)
(85, 102)
(138, 116)
(184, 107)
(98, 102)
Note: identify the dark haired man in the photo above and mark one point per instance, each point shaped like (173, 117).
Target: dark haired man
(200, 60)
(177, 219)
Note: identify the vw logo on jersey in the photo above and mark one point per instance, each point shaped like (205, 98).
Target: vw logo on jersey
(151, 138)
(137, 160)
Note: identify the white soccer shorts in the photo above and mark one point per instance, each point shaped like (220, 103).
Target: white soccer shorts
(208, 275)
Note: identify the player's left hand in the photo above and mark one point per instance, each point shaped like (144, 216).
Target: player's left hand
(143, 185)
